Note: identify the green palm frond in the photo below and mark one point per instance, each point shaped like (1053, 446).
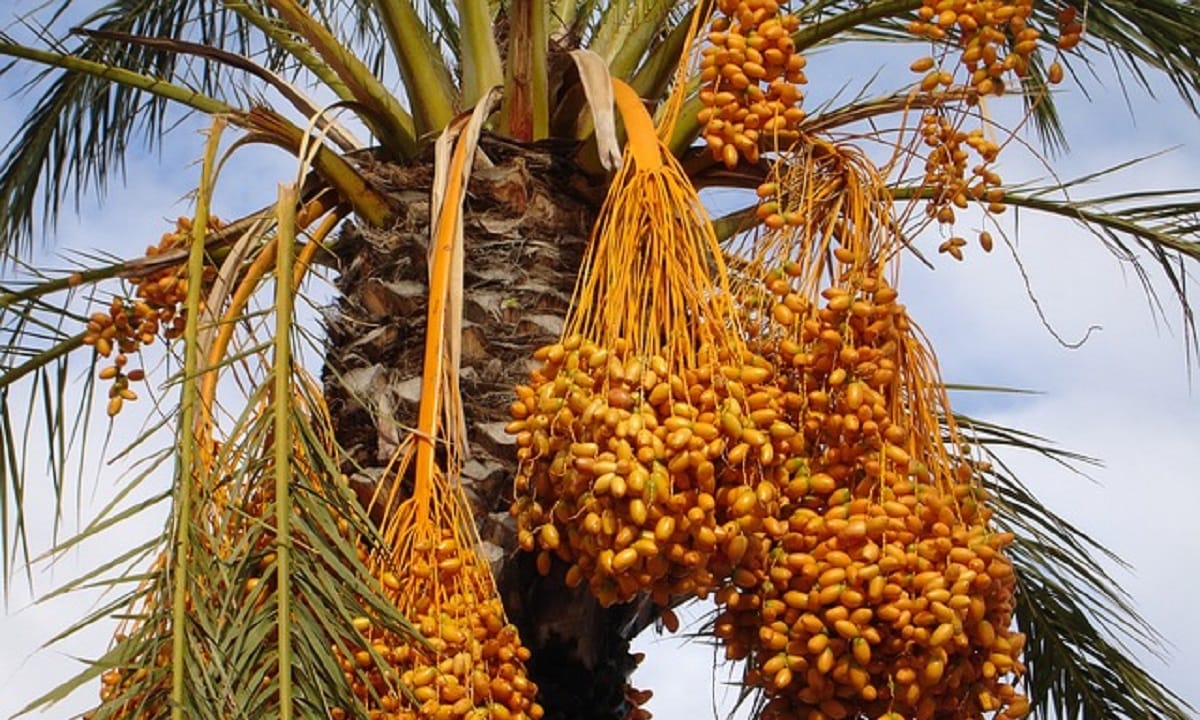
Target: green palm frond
(191, 472)
(303, 104)
(480, 66)
(70, 142)
(77, 136)
(264, 124)
(231, 652)
(259, 575)
(1142, 39)
(1162, 226)
(657, 69)
(1080, 625)
(1145, 36)
(36, 370)
(656, 19)
(627, 28)
(282, 42)
(381, 110)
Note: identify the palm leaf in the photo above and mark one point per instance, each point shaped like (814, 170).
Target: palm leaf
(526, 113)
(1142, 36)
(263, 574)
(66, 146)
(480, 67)
(284, 42)
(35, 374)
(191, 470)
(661, 59)
(624, 37)
(303, 104)
(1080, 625)
(1163, 225)
(268, 126)
(426, 77)
(89, 116)
(381, 110)
(78, 134)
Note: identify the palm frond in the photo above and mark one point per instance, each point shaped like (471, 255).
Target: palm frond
(191, 470)
(1080, 626)
(526, 111)
(380, 109)
(1162, 225)
(652, 19)
(283, 42)
(831, 20)
(303, 104)
(76, 135)
(268, 126)
(253, 591)
(426, 77)
(35, 373)
(661, 60)
(230, 637)
(480, 65)
(114, 96)
(613, 21)
(1140, 39)
(79, 132)
(1041, 106)
(281, 371)
(1142, 35)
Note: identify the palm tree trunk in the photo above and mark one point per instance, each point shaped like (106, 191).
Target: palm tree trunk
(528, 214)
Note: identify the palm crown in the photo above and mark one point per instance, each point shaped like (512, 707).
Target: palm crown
(529, 105)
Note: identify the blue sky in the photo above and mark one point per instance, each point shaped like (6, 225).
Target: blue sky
(1124, 396)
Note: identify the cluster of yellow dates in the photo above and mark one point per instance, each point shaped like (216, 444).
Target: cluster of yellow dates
(122, 328)
(750, 77)
(946, 174)
(995, 40)
(129, 324)
(874, 585)
(805, 485)
(470, 664)
(622, 467)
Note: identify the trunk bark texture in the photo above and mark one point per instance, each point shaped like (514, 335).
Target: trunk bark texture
(526, 225)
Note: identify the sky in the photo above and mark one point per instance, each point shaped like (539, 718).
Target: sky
(1124, 396)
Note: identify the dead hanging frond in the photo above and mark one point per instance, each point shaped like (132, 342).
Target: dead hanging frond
(598, 88)
(455, 152)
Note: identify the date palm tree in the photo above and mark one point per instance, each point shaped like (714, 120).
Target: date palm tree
(232, 621)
